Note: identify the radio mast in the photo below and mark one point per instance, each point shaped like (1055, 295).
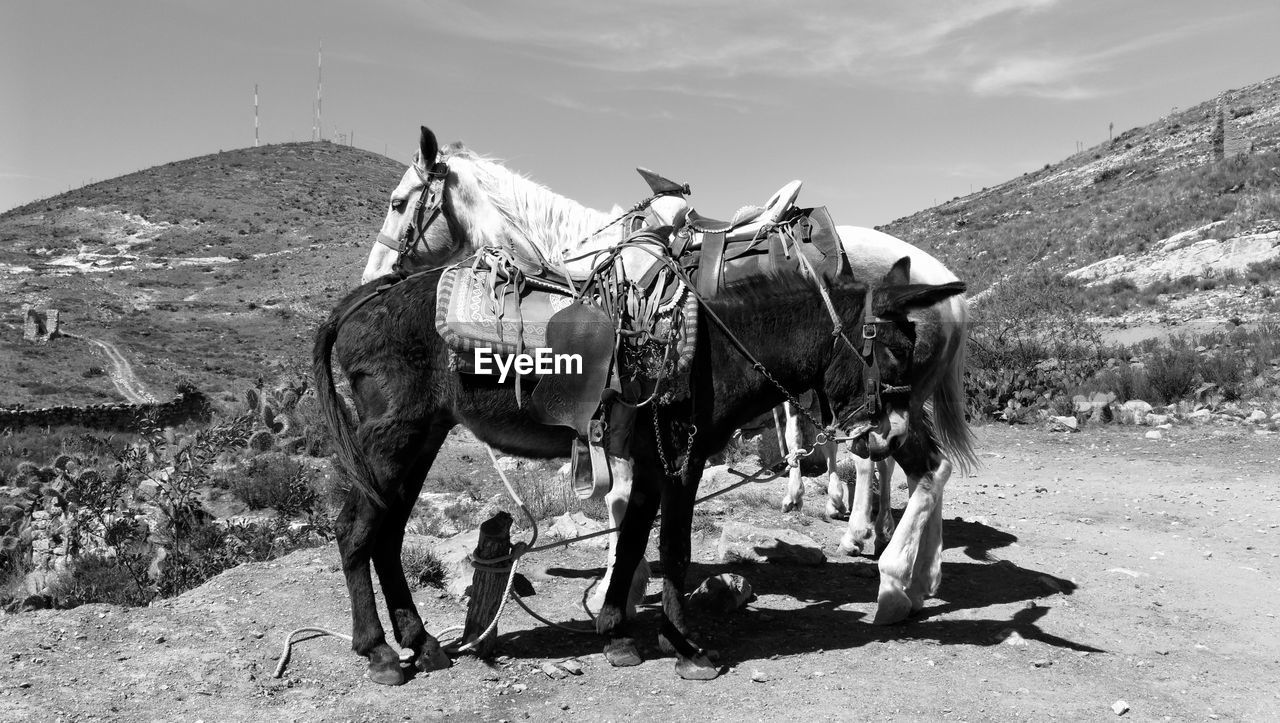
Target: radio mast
(255, 115)
(317, 130)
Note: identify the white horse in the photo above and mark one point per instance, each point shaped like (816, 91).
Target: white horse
(870, 252)
(507, 209)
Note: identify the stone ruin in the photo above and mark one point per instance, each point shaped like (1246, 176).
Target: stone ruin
(1228, 138)
(39, 325)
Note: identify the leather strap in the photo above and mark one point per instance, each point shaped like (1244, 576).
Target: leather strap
(712, 264)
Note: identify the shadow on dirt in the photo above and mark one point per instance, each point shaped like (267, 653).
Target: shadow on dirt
(821, 621)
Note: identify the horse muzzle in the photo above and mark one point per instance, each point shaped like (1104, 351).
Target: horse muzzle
(875, 447)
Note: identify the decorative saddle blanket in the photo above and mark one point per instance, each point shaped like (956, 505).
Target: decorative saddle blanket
(506, 314)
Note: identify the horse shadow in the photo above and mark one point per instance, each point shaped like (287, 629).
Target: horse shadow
(819, 609)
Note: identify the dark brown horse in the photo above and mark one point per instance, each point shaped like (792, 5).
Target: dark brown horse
(407, 399)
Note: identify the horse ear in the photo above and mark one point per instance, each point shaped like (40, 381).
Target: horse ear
(901, 299)
(428, 147)
(899, 274)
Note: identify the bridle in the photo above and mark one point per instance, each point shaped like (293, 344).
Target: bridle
(429, 206)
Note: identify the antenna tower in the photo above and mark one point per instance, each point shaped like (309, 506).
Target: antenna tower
(255, 115)
(317, 130)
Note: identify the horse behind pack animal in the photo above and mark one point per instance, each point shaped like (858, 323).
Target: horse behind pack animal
(937, 380)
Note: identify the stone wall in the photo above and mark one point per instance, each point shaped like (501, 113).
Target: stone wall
(190, 405)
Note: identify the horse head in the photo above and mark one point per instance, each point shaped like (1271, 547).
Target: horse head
(451, 202)
(889, 345)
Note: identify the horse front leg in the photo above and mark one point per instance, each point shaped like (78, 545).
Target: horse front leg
(616, 506)
(911, 566)
(859, 537)
(839, 493)
(675, 550)
(787, 424)
(632, 537)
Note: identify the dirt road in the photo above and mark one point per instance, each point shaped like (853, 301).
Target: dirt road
(1081, 570)
(122, 374)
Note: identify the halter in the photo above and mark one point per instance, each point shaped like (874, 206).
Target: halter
(873, 385)
(429, 205)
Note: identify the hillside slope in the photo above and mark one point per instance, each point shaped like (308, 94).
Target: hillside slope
(1122, 196)
(214, 268)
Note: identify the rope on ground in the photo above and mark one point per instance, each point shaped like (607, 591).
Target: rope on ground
(288, 645)
(521, 549)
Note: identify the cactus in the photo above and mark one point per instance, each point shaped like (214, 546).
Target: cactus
(262, 441)
(8, 543)
(62, 461)
(253, 398)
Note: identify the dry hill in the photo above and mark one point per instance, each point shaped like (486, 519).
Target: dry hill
(215, 268)
(1123, 196)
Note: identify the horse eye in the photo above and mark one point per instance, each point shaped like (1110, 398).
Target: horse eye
(397, 204)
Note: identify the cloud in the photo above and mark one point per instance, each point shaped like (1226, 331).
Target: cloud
(783, 38)
(1038, 48)
(576, 104)
(1053, 78)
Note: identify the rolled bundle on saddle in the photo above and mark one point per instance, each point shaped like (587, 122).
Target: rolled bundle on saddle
(593, 347)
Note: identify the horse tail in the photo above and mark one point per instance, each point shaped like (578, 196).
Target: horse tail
(953, 431)
(351, 460)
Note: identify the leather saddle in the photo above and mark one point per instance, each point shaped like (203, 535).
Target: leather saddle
(800, 241)
(490, 307)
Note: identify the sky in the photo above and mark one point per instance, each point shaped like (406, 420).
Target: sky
(881, 108)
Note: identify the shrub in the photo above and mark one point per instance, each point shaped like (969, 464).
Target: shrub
(1127, 381)
(95, 578)
(422, 568)
(1025, 346)
(1226, 370)
(277, 482)
(1171, 371)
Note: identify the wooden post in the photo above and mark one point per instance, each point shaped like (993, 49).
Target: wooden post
(488, 585)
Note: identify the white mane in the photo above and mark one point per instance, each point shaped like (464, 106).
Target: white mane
(525, 210)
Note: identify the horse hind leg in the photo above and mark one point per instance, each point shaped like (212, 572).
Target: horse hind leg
(406, 623)
(369, 534)
(357, 527)
(885, 524)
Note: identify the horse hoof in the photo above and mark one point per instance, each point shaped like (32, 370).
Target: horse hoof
(386, 673)
(698, 667)
(432, 659)
(836, 512)
(384, 666)
(856, 547)
(892, 604)
(622, 653)
(791, 505)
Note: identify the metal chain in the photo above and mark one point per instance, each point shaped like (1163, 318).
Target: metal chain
(795, 402)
